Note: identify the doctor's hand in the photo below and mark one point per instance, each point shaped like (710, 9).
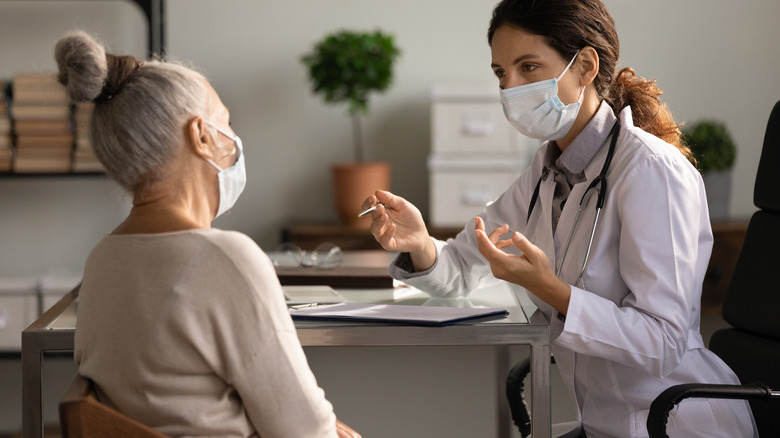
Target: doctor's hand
(531, 269)
(398, 226)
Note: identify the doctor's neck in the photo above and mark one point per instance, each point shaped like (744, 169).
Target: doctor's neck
(590, 105)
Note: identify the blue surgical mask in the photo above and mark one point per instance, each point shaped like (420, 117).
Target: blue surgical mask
(536, 111)
(231, 180)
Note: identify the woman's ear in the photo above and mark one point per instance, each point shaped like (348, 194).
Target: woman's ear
(588, 65)
(198, 137)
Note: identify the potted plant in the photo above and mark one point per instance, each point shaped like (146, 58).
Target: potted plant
(346, 67)
(715, 153)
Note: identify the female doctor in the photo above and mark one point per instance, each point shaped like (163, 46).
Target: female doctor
(608, 229)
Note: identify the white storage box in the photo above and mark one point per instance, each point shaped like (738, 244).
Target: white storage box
(461, 188)
(18, 309)
(473, 121)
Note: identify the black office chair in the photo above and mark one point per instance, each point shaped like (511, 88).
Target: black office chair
(514, 394)
(519, 408)
(751, 347)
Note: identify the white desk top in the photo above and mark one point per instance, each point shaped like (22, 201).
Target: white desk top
(497, 296)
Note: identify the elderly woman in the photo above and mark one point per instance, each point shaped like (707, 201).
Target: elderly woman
(181, 326)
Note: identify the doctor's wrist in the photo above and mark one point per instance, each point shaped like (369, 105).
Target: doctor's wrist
(424, 258)
(556, 293)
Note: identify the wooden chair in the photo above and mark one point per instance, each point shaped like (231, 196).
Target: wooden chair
(82, 415)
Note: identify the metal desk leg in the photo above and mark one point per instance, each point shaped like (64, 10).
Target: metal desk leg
(32, 406)
(541, 407)
(37, 339)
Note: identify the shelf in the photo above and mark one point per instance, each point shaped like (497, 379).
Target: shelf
(154, 12)
(13, 175)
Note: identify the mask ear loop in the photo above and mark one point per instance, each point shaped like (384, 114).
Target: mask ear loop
(239, 147)
(582, 94)
(213, 164)
(558, 79)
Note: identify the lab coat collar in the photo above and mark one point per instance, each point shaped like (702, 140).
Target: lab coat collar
(581, 151)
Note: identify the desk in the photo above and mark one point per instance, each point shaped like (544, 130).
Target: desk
(54, 331)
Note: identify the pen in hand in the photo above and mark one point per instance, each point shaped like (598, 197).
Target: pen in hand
(303, 306)
(368, 210)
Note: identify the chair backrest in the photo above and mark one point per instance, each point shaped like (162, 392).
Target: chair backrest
(82, 415)
(753, 298)
(752, 347)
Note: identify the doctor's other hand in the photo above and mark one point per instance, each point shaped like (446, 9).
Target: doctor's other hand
(531, 269)
(398, 226)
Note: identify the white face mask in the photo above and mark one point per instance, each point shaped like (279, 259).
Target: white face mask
(231, 180)
(536, 111)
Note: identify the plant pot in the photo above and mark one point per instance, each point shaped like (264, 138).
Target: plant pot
(718, 186)
(352, 184)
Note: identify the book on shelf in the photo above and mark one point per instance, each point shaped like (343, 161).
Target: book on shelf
(38, 89)
(42, 127)
(5, 141)
(6, 159)
(4, 93)
(83, 113)
(40, 112)
(42, 160)
(48, 142)
(5, 125)
(39, 97)
(84, 160)
(82, 117)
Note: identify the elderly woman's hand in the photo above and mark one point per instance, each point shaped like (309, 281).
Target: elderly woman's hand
(531, 269)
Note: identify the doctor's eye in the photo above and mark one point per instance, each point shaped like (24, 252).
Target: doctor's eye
(529, 67)
(499, 73)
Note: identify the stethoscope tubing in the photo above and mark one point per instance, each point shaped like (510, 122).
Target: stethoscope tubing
(600, 184)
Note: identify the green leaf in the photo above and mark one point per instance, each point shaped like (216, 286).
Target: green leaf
(347, 66)
(711, 144)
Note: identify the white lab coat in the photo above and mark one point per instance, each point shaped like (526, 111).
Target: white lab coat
(632, 327)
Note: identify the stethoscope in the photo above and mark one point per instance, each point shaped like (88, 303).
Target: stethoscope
(599, 184)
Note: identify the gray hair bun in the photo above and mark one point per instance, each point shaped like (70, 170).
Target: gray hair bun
(88, 72)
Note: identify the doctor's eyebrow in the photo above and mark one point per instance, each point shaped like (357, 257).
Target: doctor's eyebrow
(518, 60)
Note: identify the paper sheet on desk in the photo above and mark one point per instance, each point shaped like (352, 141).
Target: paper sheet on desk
(396, 313)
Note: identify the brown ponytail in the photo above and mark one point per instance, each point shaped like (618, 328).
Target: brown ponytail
(648, 112)
(570, 25)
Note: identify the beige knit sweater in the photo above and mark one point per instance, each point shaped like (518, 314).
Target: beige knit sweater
(188, 332)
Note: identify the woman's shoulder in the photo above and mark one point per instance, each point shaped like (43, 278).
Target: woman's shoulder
(241, 249)
(638, 145)
(234, 240)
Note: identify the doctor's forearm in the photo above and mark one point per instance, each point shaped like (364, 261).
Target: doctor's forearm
(424, 258)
